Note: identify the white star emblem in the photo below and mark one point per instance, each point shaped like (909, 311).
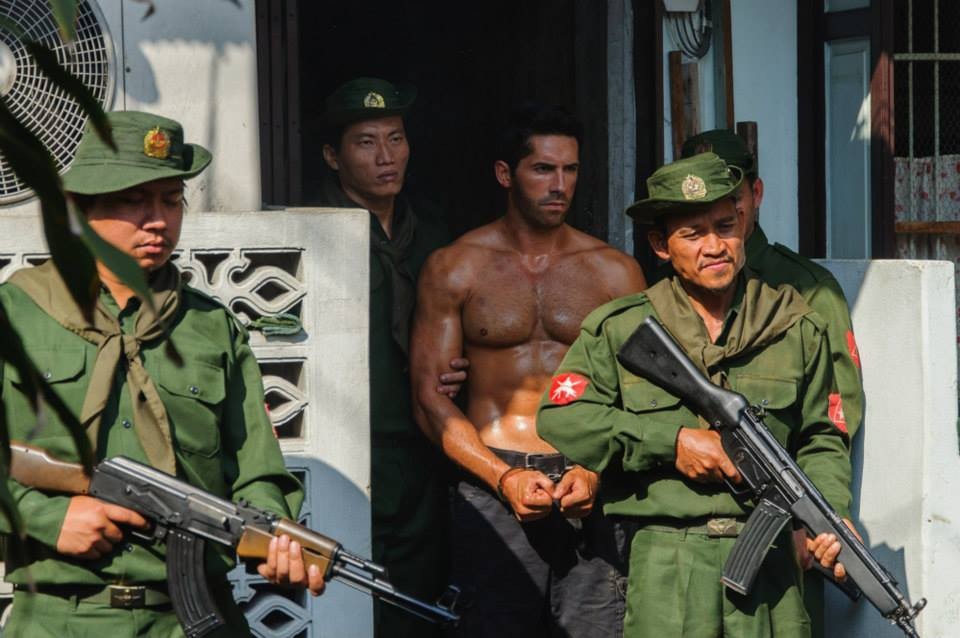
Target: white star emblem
(566, 389)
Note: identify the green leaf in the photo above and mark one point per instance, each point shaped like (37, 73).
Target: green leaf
(65, 14)
(32, 163)
(75, 88)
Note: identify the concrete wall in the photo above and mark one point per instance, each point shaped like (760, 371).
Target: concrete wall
(906, 461)
(765, 91)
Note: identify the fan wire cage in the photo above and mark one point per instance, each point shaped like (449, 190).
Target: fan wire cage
(48, 111)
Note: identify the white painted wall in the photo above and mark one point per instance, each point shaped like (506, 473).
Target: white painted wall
(197, 63)
(764, 34)
(765, 91)
(906, 461)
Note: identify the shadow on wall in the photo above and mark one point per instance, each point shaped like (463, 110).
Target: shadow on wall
(282, 612)
(205, 45)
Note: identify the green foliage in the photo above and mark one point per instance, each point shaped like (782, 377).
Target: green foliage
(74, 247)
(65, 13)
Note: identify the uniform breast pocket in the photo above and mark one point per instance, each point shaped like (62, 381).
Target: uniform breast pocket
(776, 396)
(650, 401)
(62, 369)
(193, 396)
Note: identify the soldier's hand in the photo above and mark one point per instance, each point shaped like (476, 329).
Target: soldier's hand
(825, 548)
(90, 528)
(700, 457)
(285, 566)
(450, 382)
(529, 493)
(575, 492)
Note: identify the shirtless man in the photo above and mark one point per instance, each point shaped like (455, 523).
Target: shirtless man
(510, 296)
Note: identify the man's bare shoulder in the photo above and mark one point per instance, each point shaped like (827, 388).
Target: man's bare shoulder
(613, 265)
(455, 266)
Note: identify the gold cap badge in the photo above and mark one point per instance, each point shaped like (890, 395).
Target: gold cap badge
(693, 187)
(156, 144)
(374, 101)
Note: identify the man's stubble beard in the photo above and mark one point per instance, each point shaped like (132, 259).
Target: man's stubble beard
(531, 214)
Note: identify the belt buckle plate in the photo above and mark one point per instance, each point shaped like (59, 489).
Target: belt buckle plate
(123, 597)
(722, 528)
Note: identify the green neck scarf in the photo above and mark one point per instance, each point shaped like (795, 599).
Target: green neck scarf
(764, 314)
(391, 253)
(48, 290)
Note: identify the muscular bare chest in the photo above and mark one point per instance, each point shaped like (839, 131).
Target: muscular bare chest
(514, 303)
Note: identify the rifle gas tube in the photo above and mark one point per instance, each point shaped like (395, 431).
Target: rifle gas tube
(185, 517)
(771, 477)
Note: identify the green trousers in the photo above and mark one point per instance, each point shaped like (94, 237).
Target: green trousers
(45, 616)
(674, 590)
(410, 521)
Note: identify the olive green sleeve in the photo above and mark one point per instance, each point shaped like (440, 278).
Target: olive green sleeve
(828, 300)
(255, 467)
(594, 430)
(41, 516)
(822, 450)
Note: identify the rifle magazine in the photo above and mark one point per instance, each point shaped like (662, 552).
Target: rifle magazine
(192, 602)
(752, 545)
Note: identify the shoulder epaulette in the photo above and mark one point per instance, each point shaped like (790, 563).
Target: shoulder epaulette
(215, 304)
(816, 271)
(612, 308)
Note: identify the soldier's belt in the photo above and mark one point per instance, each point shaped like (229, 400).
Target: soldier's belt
(116, 596)
(553, 465)
(716, 527)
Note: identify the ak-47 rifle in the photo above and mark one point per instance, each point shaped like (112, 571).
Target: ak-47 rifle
(185, 517)
(772, 478)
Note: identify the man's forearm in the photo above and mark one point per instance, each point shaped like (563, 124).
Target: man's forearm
(447, 426)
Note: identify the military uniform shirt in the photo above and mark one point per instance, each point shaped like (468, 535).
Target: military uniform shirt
(222, 436)
(777, 265)
(614, 422)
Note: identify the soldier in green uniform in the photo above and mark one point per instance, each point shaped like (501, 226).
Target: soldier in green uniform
(366, 146)
(776, 265)
(202, 419)
(662, 469)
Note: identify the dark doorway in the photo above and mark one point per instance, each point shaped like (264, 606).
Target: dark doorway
(471, 62)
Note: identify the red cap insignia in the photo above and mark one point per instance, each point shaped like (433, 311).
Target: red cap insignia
(567, 387)
(156, 144)
(835, 412)
(852, 347)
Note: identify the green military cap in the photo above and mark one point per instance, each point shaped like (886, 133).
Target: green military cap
(731, 148)
(149, 147)
(367, 99)
(686, 184)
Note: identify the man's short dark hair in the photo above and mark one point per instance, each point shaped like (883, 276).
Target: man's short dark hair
(332, 134)
(531, 119)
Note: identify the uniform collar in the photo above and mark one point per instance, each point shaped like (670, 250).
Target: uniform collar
(756, 243)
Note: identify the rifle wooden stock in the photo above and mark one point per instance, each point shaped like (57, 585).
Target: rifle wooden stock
(34, 467)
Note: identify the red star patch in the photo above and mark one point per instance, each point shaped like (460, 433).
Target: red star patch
(835, 412)
(567, 387)
(852, 347)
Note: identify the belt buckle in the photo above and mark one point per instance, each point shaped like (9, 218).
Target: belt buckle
(531, 462)
(124, 597)
(722, 528)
